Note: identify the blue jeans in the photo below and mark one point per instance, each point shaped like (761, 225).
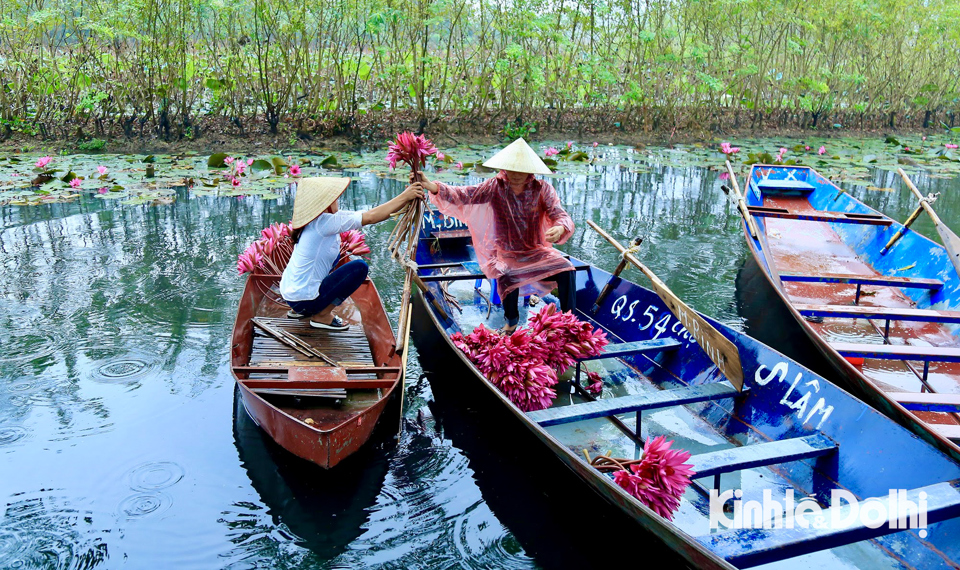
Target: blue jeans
(335, 288)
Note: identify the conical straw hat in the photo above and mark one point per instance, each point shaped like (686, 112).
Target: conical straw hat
(518, 157)
(314, 195)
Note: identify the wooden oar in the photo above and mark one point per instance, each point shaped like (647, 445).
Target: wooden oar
(616, 273)
(718, 348)
(913, 217)
(742, 204)
(949, 239)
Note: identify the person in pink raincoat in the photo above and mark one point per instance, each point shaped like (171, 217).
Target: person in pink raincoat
(514, 220)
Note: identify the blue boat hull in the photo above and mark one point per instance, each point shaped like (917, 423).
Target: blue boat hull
(783, 401)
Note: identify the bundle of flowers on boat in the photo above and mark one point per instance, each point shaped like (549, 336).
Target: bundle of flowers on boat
(353, 242)
(412, 150)
(658, 479)
(524, 365)
(269, 253)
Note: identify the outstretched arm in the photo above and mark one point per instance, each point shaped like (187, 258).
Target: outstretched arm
(457, 195)
(383, 211)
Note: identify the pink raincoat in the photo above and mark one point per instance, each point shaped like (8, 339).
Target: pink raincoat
(508, 230)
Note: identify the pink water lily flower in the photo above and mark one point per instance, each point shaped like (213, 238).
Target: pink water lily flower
(458, 166)
(441, 156)
(249, 162)
(660, 478)
(950, 145)
(594, 383)
(727, 149)
(43, 162)
(806, 148)
(410, 149)
(822, 150)
(75, 183)
(552, 152)
(294, 170)
(102, 170)
(595, 143)
(235, 181)
(569, 144)
(228, 160)
(102, 191)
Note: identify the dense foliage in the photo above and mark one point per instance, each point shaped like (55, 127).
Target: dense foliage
(176, 66)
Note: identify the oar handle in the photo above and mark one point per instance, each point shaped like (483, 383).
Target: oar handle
(742, 204)
(616, 273)
(919, 195)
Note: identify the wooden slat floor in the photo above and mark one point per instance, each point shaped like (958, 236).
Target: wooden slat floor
(350, 346)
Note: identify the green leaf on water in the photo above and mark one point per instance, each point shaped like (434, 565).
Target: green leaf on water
(279, 165)
(261, 165)
(217, 160)
(330, 163)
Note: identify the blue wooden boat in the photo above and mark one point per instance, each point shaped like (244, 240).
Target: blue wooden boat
(884, 317)
(789, 430)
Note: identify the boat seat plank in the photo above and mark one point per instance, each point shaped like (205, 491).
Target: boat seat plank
(745, 548)
(633, 403)
(330, 393)
(914, 282)
(881, 313)
(949, 431)
(476, 274)
(927, 401)
(619, 350)
(451, 234)
(898, 352)
(833, 217)
(770, 186)
(321, 384)
(761, 454)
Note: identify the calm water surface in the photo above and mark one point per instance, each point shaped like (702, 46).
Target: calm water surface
(122, 443)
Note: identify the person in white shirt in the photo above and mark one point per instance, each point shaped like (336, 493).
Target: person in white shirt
(310, 284)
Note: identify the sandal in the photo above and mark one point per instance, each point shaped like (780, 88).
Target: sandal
(291, 314)
(335, 325)
(507, 329)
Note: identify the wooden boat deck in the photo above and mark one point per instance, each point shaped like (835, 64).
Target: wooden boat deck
(812, 248)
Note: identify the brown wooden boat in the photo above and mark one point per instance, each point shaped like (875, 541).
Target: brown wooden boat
(317, 411)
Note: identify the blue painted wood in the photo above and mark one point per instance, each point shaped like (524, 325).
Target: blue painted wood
(879, 313)
(761, 454)
(622, 349)
(635, 403)
(776, 186)
(898, 352)
(472, 266)
(913, 282)
(752, 547)
(927, 401)
(785, 401)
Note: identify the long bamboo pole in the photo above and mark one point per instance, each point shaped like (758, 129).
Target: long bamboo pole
(950, 240)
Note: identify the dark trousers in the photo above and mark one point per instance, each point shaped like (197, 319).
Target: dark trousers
(335, 288)
(566, 287)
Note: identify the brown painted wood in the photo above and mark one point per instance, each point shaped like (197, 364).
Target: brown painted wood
(335, 432)
(321, 384)
(820, 216)
(330, 393)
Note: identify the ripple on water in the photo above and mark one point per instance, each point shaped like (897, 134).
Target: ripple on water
(41, 530)
(11, 434)
(144, 504)
(155, 476)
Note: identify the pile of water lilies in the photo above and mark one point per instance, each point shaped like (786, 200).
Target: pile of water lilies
(658, 479)
(269, 253)
(524, 365)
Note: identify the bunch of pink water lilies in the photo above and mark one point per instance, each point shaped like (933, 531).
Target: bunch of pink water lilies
(270, 252)
(410, 149)
(659, 478)
(524, 365)
(353, 242)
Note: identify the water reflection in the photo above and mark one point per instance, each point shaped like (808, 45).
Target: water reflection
(116, 440)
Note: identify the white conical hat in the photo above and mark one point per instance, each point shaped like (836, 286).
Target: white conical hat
(518, 157)
(314, 195)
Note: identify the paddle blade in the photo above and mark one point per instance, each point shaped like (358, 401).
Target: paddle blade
(717, 347)
(952, 243)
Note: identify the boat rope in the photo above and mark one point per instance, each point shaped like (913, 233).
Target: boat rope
(409, 264)
(930, 198)
(630, 251)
